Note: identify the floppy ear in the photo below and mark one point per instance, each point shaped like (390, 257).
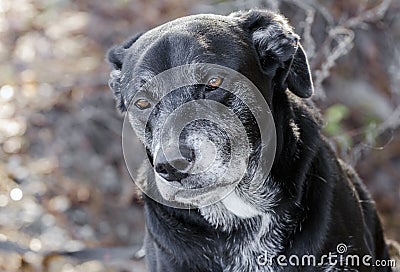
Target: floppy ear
(116, 56)
(279, 51)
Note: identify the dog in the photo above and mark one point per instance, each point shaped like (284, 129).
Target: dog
(309, 204)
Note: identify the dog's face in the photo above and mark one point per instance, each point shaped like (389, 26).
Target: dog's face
(203, 62)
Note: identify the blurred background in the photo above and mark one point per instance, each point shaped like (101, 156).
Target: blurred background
(67, 202)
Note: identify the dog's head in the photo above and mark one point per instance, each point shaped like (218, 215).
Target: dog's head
(193, 153)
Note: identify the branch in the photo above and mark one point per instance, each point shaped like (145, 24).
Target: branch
(344, 38)
(371, 15)
(389, 126)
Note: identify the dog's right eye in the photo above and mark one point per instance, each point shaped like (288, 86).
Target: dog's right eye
(142, 104)
(214, 83)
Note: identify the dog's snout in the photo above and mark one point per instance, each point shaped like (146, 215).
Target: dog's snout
(175, 168)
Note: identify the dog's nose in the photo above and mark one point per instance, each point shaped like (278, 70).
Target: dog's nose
(177, 167)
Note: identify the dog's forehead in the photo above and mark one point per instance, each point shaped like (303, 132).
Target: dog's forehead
(202, 24)
(191, 39)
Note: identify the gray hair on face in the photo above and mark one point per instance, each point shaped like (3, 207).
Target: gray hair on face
(217, 132)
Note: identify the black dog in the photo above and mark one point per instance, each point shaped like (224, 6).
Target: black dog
(310, 205)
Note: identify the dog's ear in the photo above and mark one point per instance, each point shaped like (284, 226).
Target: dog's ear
(116, 56)
(279, 51)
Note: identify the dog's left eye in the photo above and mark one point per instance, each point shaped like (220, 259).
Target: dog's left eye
(142, 104)
(214, 83)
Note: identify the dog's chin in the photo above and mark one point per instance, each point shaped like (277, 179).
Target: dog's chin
(194, 196)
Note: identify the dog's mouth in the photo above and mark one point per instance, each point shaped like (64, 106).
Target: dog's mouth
(188, 191)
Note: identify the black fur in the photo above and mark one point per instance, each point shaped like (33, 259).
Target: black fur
(322, 201)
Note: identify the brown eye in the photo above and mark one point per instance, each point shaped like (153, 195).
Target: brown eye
(214, 83)
(142, 104)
